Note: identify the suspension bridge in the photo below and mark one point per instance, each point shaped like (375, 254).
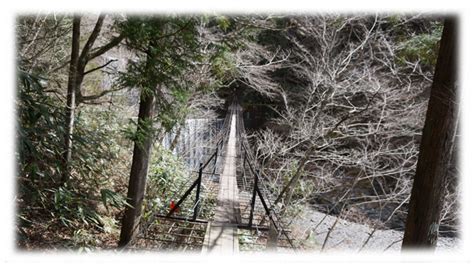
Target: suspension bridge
(226, 209)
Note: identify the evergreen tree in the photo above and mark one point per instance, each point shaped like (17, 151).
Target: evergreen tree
(166, 47)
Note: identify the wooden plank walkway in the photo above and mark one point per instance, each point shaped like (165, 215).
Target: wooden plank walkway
(221, 235)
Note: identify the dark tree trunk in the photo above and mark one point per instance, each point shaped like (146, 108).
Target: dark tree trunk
(76, 77)
(139, 170)
(421, 229)
(71, 98)
(83, 57)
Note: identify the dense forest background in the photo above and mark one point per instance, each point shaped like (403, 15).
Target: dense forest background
(335, 105)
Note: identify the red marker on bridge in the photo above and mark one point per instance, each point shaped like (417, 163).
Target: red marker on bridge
(172, 205)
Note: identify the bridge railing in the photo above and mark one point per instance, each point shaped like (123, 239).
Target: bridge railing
(221, 138)
(258, 179)
(258, 187)
(213, 161)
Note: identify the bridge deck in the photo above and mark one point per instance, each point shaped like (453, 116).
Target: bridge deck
(221, 235)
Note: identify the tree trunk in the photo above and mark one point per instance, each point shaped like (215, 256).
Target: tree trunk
(83, 57)
(139, 170)
(71, 98)
(75, 78)
(421, 229)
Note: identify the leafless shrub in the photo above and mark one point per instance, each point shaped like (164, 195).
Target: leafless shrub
(350, 99)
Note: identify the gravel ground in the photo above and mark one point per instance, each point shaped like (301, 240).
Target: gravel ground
(350, 236)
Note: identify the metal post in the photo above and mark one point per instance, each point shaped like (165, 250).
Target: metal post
(215, 161)
(267, 210)
(198, 191)
(252, 205)
(243, 169)
(183, 198)
(272, 221)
